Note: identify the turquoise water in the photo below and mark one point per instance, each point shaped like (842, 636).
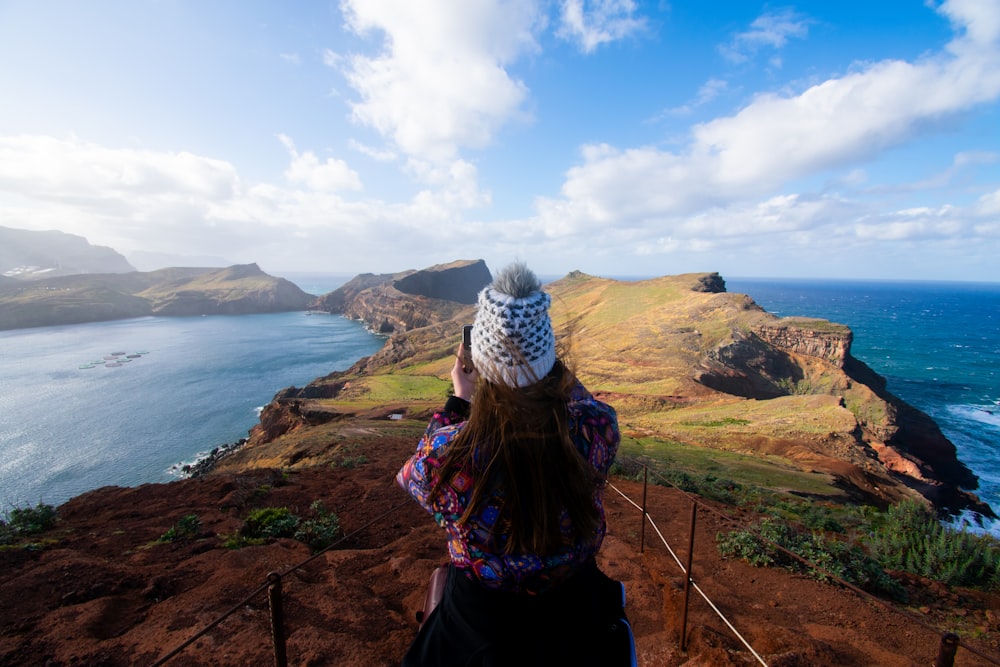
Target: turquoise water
(183, 387)
(937, 344)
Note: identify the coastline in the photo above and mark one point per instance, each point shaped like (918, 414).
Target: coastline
(205, 461)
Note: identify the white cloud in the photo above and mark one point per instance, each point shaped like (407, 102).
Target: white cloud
(776, 140)
(372, 152)
(332, 59)
(176, 202)
(772, 29)
(43, 167)
(291, 58)
(439, 83)
(708, 91)
(989, 205)
(331, 175)
(592, 23)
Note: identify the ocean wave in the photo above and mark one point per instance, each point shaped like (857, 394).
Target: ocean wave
(973, 522)
(983, 414)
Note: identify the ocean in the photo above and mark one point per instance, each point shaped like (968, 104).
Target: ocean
(69, 422)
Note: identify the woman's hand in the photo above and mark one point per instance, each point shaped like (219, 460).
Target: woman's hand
(465, 382)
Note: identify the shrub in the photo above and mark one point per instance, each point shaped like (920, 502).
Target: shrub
(22, 521)
(353, 461)
(270, 522)
(909, 537)
(321, 531)
(186, 528)
(266, 523)
(832, 557)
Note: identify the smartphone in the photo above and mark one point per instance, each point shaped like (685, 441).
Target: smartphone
(467, 348)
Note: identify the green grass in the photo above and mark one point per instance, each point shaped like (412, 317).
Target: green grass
(399, 388)
(743, 469)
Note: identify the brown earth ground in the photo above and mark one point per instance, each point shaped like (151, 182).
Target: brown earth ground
(104, 592)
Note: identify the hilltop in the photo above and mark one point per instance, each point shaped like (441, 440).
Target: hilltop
(705, 383)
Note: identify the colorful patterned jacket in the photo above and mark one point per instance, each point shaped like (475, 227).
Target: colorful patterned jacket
(594, 430)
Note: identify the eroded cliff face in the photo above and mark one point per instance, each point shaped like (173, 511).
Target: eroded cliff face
(809, 336)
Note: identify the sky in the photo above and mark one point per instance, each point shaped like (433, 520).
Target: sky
(814, 139)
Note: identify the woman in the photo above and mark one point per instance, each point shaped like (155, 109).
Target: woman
(514, 469)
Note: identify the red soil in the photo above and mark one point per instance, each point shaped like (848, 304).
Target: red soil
(105, 593)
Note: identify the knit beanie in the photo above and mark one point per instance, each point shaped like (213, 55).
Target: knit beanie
(512, 339)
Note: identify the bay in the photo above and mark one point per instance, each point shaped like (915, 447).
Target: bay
(174, 388)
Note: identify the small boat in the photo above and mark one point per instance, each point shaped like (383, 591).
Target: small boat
(113, 364)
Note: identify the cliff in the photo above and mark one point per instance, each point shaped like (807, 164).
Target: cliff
(237, 290)
(397, 302)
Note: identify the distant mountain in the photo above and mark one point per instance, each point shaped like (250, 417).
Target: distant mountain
(237, 290)
(27, 254)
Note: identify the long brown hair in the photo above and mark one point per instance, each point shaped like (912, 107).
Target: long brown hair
(517, 441)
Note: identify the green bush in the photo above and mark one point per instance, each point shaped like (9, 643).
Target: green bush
(270, 522)
(186, 528)
(265, 523)
(21, 521)
(350, 462)
(321, 531)
(833, 557)
(910, 538)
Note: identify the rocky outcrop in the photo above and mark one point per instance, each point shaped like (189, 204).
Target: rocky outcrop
(750, 367)
(810, 336)
(711, 283)
(398, 302)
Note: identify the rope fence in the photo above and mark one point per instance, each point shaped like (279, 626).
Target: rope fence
(949, 643)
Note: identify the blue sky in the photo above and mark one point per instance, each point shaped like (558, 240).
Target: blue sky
(807, 139)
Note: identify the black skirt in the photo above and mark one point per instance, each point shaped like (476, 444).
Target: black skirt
(580, 622)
